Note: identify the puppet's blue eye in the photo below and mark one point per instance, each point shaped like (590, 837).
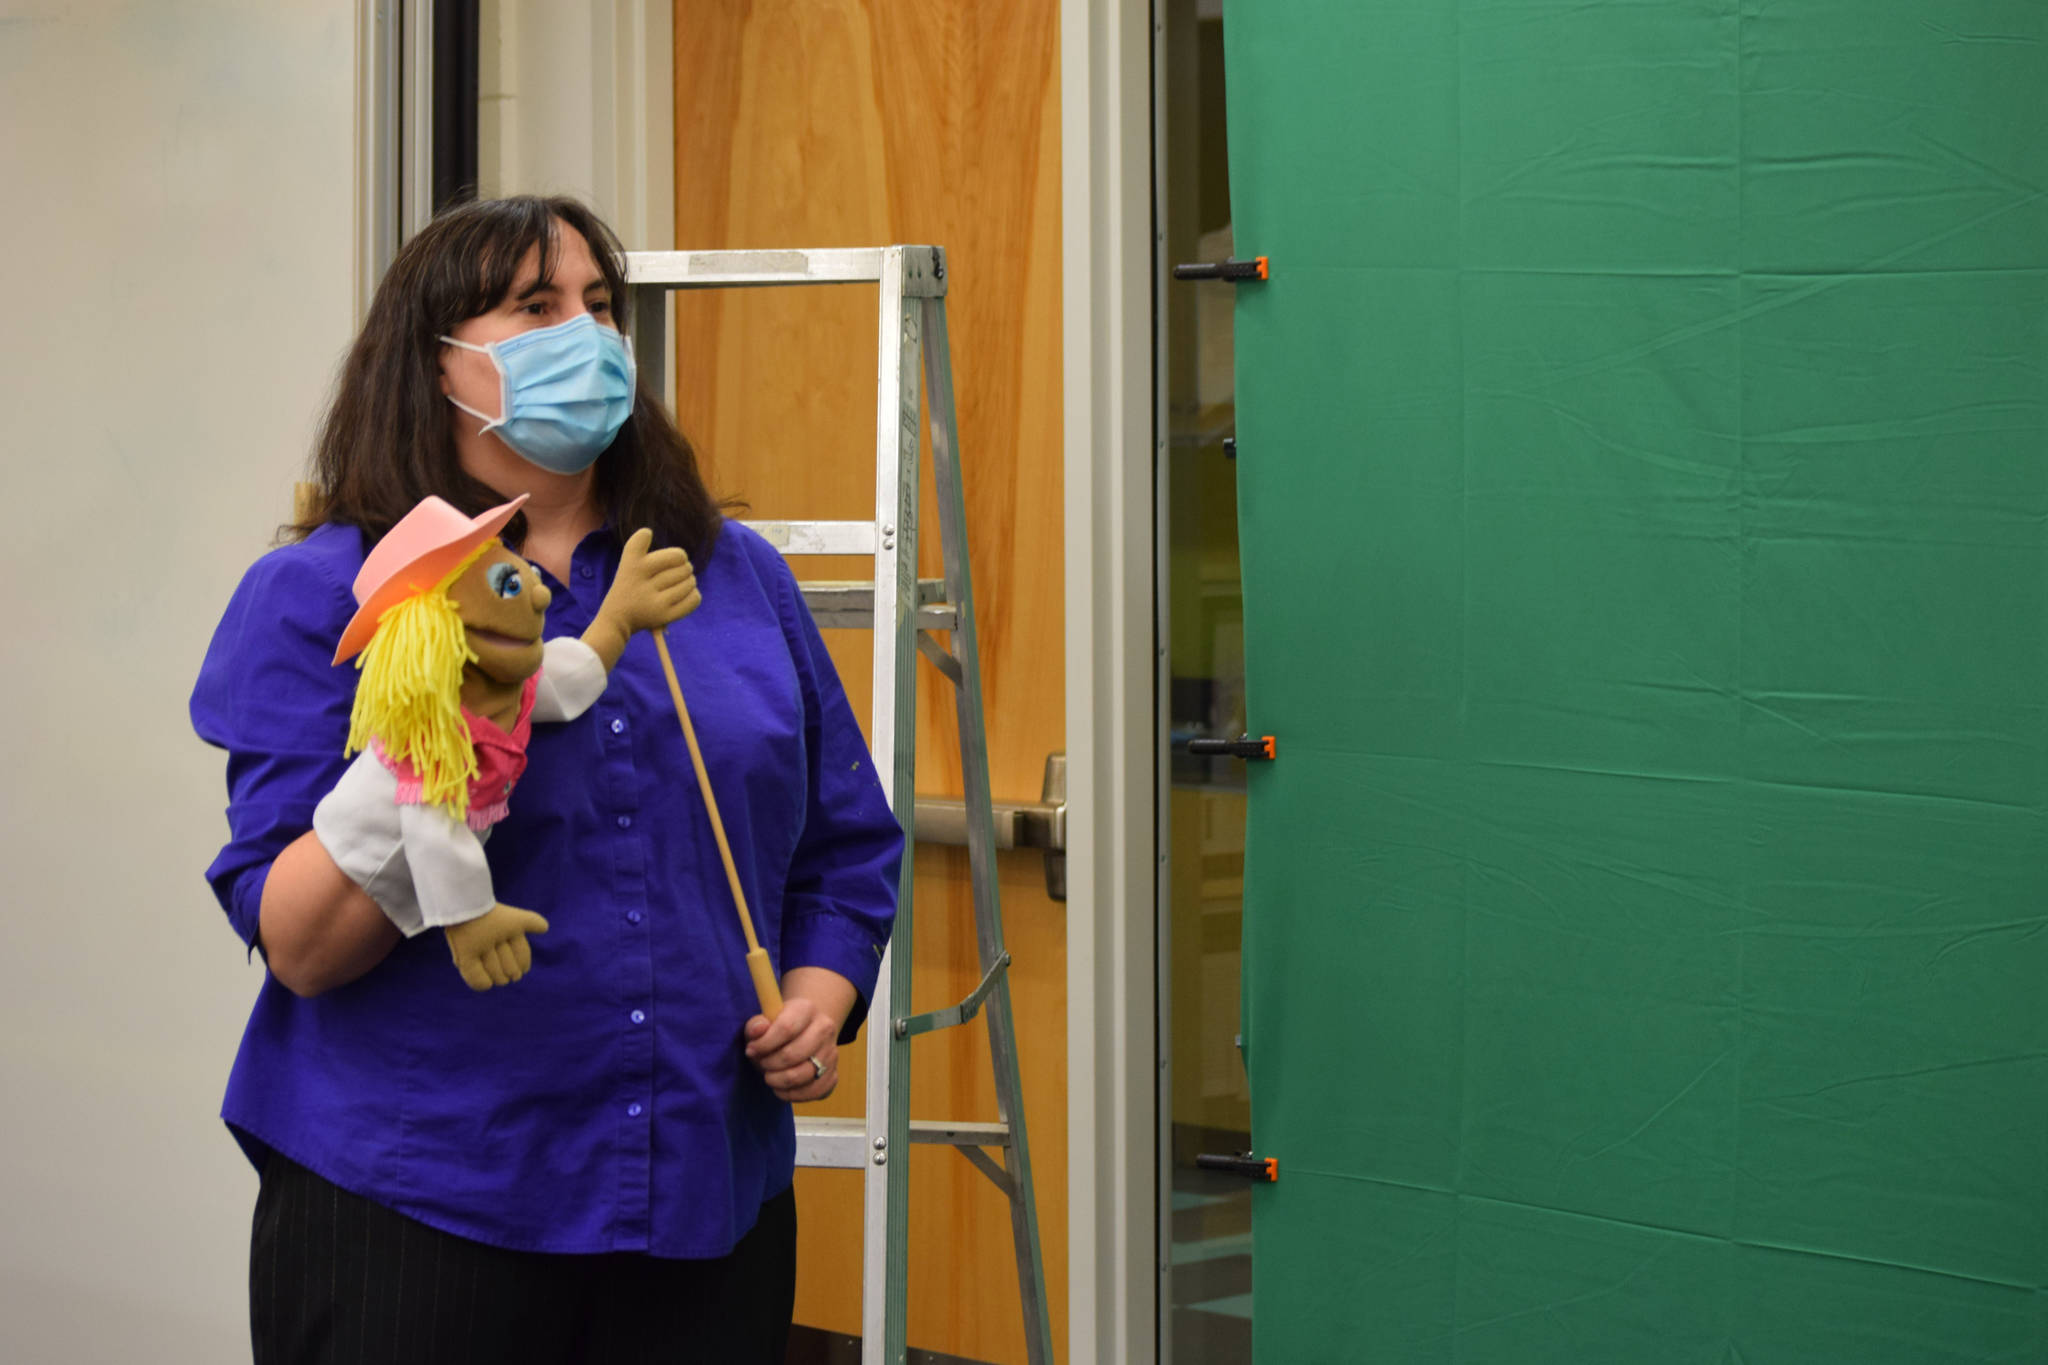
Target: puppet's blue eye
(504, 580)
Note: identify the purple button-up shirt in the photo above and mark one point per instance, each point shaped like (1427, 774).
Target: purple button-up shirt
(603, 1103)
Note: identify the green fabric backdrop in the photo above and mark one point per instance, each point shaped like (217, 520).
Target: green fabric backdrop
(1643, 488)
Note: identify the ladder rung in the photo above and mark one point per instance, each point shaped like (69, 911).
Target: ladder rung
(844, 1142)
(831, 1142)
(829, 265)
(818, 537)
(851, 606)
(960, 1134)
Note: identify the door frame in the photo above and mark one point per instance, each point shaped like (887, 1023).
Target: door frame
(1108, 271)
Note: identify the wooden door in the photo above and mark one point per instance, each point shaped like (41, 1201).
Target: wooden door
(861, 123)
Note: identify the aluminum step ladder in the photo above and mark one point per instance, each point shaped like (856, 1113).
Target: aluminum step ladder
(905, 614)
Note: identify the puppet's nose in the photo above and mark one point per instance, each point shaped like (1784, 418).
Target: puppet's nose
(541, 596)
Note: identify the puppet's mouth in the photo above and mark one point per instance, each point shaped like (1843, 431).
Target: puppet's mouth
(497, 641)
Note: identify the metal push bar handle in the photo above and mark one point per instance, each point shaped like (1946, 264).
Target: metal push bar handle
(1033, 824)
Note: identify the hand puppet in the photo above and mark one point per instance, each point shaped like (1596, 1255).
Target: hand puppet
(454, 675)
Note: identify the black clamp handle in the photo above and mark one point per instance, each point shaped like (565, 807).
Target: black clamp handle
(1232, 269)
(1244, 1164)
(1245, 747)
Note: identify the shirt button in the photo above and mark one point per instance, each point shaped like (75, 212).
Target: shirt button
(632, 917)
(639, 1016)
(625, 822)
(586, 572)
(618, 727)
(633, 1111)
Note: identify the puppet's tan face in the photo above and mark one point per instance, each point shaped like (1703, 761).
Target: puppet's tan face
(502, 602)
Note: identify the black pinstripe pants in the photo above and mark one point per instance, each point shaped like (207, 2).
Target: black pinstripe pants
(337, 1280)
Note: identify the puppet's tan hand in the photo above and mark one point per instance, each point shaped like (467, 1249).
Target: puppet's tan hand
(491, 950)
(654, 588)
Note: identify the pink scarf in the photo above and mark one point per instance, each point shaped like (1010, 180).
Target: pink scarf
(500, 759)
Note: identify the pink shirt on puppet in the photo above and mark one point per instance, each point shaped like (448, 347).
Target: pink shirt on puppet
(500, 759)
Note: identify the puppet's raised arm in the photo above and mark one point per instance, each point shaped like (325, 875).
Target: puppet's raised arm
(572, 678)
(653, 589)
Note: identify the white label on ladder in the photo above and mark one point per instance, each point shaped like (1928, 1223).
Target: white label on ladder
(749, 263)
(818, 537)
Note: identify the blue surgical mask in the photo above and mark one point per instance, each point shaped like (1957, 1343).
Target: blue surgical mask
(564, 392)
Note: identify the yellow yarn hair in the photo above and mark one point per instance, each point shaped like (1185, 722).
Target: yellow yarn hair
(409, 698)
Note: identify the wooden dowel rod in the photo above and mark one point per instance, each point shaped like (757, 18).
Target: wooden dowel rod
(758, 965)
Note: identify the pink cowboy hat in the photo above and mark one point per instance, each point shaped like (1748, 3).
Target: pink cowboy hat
(415, 555)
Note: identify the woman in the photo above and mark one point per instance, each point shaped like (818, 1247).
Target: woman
(594, 1162)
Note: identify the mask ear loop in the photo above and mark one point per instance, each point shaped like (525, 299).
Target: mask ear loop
(504, 387)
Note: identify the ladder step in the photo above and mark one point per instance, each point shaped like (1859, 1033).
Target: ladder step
(817, 537)
(851, 606)
(844, 1143)
(922, 277)
(831, 1142)
(960, 1134)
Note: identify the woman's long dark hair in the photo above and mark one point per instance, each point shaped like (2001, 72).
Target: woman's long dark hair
(389, 439)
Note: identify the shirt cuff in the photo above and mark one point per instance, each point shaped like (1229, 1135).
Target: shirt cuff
(822, 939)
(247, 915)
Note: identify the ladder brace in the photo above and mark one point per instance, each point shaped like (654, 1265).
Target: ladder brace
(910, 1026)
(942, 658)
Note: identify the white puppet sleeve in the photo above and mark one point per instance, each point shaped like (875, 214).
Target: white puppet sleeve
(572, 678)
(422, 867)
(450, 879)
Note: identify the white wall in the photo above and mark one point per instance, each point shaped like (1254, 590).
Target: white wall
(176, 225)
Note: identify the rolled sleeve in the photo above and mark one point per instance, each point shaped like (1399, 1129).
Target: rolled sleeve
(826, 940)
(840, 899)
(269, 695)
(242, 898)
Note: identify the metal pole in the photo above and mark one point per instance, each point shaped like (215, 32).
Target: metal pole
(887, 1203)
